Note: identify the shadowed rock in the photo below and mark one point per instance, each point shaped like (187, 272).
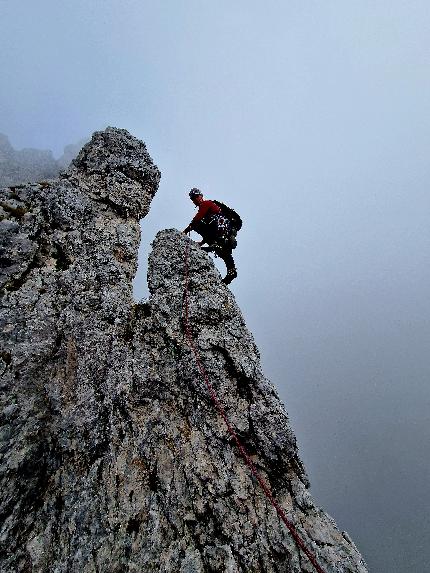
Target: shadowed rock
(113, 457)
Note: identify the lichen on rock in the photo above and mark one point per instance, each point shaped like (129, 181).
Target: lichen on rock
(113, 457)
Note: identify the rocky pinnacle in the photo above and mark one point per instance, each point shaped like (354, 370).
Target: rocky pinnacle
(113, 458)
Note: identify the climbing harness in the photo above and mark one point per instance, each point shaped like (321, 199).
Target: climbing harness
(299, 541)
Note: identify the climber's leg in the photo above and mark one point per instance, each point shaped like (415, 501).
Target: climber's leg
(226, 255)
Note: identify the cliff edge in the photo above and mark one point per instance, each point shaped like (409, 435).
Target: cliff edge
(113, 458)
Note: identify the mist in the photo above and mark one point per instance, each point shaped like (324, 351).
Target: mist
(312, 121)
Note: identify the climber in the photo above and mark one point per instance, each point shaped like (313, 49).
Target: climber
(217, 230)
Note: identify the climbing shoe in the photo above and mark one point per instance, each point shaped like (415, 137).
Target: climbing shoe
(231, 275)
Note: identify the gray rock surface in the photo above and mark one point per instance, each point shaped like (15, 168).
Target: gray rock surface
(112, 456)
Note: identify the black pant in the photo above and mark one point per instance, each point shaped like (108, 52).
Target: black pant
(226, 255)
(208, 232)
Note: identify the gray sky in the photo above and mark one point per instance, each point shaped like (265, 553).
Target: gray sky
(312, 119)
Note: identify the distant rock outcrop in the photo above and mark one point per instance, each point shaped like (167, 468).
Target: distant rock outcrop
(24, 165)
(70, 152)
(31, 165)
(113, 458)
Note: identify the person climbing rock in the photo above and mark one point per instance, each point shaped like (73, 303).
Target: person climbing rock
(218, 225)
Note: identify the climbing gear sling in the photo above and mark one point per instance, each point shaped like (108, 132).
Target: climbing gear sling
(231, 214)
(235, 223)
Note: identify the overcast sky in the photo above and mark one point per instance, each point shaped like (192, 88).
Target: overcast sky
(312, 119)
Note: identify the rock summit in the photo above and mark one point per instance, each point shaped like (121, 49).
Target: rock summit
(113, 458)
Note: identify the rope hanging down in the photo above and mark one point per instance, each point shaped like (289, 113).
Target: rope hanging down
(299, 541)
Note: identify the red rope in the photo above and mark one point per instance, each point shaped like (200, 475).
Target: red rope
(300, 543)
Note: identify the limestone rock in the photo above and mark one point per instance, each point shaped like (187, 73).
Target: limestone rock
(113, 457)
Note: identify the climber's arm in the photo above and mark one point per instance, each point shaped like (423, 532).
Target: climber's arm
(188, 229)
(202, 212)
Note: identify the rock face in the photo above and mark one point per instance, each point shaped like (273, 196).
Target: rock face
(29, 165)
(113, 458)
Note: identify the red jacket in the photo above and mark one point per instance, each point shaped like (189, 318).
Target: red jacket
(205, 208)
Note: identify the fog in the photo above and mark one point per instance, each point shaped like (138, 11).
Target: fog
(312, 120)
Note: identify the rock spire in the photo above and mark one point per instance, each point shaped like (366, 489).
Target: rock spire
(113, 458)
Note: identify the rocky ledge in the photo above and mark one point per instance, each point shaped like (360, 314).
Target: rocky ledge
(113, 458)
